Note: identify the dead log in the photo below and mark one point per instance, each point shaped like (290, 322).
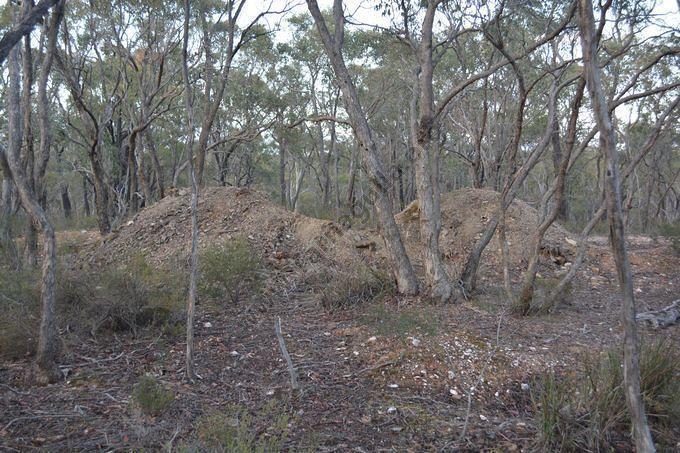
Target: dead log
(662, 318)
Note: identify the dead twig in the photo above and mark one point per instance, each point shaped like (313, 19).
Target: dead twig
(36, 417)
(378, 366)
(282, 345)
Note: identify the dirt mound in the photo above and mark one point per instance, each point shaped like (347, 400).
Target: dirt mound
(465, 215)
(285, 240)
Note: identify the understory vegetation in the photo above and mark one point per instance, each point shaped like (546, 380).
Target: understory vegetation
(480, 172)
(237, 429)
(231, 271)
(586, 411)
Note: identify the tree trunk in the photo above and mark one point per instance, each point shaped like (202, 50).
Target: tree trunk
(101, 192)
(158, 168)
(86, 198)
(193, 272)
(46, 369)
(407, 282)
(563, 206)
(353, 168)
(425, 163)
(283, 144)
(527, 291)
(631, 370)
(31, 233)
(7, 245)
(23, 27)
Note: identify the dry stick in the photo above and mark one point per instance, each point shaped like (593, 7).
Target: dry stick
(282, 345)
(378, 366)
(189, 102)
(36, 417)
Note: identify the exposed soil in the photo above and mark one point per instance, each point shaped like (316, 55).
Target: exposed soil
(398, 374)
(466, 214)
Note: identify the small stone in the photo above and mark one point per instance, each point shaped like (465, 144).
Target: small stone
(372, 339)
(525, 386)
(454, 394)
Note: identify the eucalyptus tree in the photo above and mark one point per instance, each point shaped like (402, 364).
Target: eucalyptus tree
(407, 282)
(45, 369)
(145, 44)
(631, 369)
(24, 25)
(631, 82)
(93, 79)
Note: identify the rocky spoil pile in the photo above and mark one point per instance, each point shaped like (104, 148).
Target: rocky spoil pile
(465, 216)
(163, 231)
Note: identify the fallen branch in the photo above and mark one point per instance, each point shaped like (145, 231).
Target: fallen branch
(661, 318)
(378, 366)
(282, 345)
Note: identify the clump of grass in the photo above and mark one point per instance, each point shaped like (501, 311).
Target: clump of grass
(151, 396)
(237, 430)
(401, 323)
(19, 313)
(589, 412)
(229, 270)
(353, 286)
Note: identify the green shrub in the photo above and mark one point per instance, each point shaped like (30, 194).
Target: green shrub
(122, 298)
(19, 313)
(151, 396)
(354, 285)
(236, 430)
(230, 270)
(589, 411)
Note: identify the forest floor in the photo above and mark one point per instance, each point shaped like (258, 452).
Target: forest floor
(397, 374)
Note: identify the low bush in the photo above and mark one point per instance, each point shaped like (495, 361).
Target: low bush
(114, 298)
(121, 298)
(19, 313)
(231, 270)
(589, 412)
(151, 396)
(355, 285)
(236, 430)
